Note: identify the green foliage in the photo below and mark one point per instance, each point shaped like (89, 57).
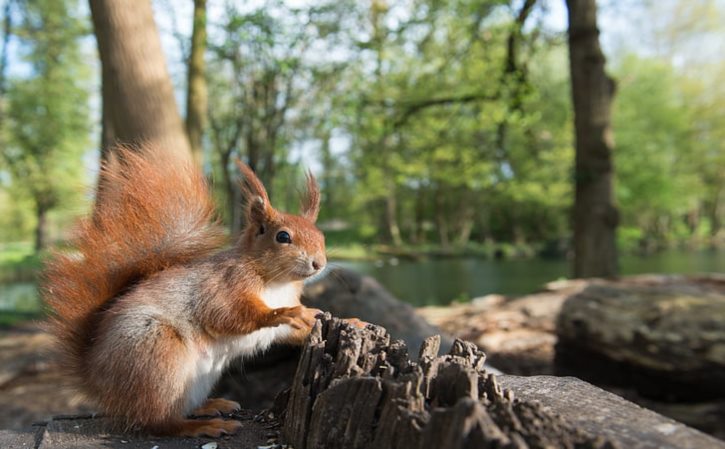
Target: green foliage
(665, 173)
(48, 121)
(422, 127)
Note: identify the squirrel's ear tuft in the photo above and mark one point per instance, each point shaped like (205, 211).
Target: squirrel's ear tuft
(259, 209)
(311, 201)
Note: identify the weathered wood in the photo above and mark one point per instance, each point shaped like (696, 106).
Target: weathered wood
(87, 432)
(18, 439)
(519, 334)
(355, 388)
(665, 339)
(597, 412)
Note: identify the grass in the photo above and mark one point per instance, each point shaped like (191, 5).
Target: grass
(19, 262)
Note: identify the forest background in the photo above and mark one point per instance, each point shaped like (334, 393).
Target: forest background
(439, 127)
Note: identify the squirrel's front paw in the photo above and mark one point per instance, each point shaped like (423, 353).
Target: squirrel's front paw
(299, 317)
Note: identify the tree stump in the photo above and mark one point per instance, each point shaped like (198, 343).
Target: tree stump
(358, 388)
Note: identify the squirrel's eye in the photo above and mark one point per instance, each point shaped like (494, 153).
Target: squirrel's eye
(283, 237)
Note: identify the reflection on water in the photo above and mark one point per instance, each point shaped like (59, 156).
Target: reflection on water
(444, 280)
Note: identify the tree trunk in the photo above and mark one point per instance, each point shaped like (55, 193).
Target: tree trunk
(466, 219)
(108, 136)
(714, 213)
(41, 228)
(328, 174)
(391, 216)
(441, 219)
(595, 216)
(234, 195)
(196, 98)
(136, 82)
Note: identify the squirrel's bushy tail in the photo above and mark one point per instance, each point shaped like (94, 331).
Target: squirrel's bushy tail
(153, 211)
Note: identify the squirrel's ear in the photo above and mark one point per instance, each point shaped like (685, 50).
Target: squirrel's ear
(311, 201)
(259, 208)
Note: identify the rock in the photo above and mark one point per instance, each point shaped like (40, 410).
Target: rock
(346, 293)
(665, 337)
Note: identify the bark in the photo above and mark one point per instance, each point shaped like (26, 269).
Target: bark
(41, 228)
(234, 196)
(714, 213)
(329, 173)
(358, 388)
(391, 216)
(108, 136)
(441, 219)
(627, 335)
(6, 30)
(136, 82)
(465, 219)
(196, 98)
(595, 216)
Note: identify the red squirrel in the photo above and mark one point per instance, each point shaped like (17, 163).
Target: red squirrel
(148, 309)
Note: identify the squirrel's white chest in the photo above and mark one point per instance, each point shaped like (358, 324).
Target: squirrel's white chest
(281, 295)
(213, 359)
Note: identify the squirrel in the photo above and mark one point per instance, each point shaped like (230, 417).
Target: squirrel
(149, 308)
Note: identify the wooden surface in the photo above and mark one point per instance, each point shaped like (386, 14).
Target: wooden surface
(86, 432)
(597, 412)
(357, 388)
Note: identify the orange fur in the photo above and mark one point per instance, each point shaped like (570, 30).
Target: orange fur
(155, 212)
(146, 310)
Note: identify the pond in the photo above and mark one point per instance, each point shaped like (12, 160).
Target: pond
(441, 281)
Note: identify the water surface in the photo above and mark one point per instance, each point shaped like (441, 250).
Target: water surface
(441, 281)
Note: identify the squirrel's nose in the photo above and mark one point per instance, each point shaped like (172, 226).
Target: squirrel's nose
(318, 262)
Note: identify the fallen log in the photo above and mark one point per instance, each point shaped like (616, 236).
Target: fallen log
(665, 337)
(358, 388)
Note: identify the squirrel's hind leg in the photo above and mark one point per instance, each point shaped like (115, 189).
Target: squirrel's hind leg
(216, 406)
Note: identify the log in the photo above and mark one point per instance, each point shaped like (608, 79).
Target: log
(666, 338)
(596, 412)
(358, 388)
